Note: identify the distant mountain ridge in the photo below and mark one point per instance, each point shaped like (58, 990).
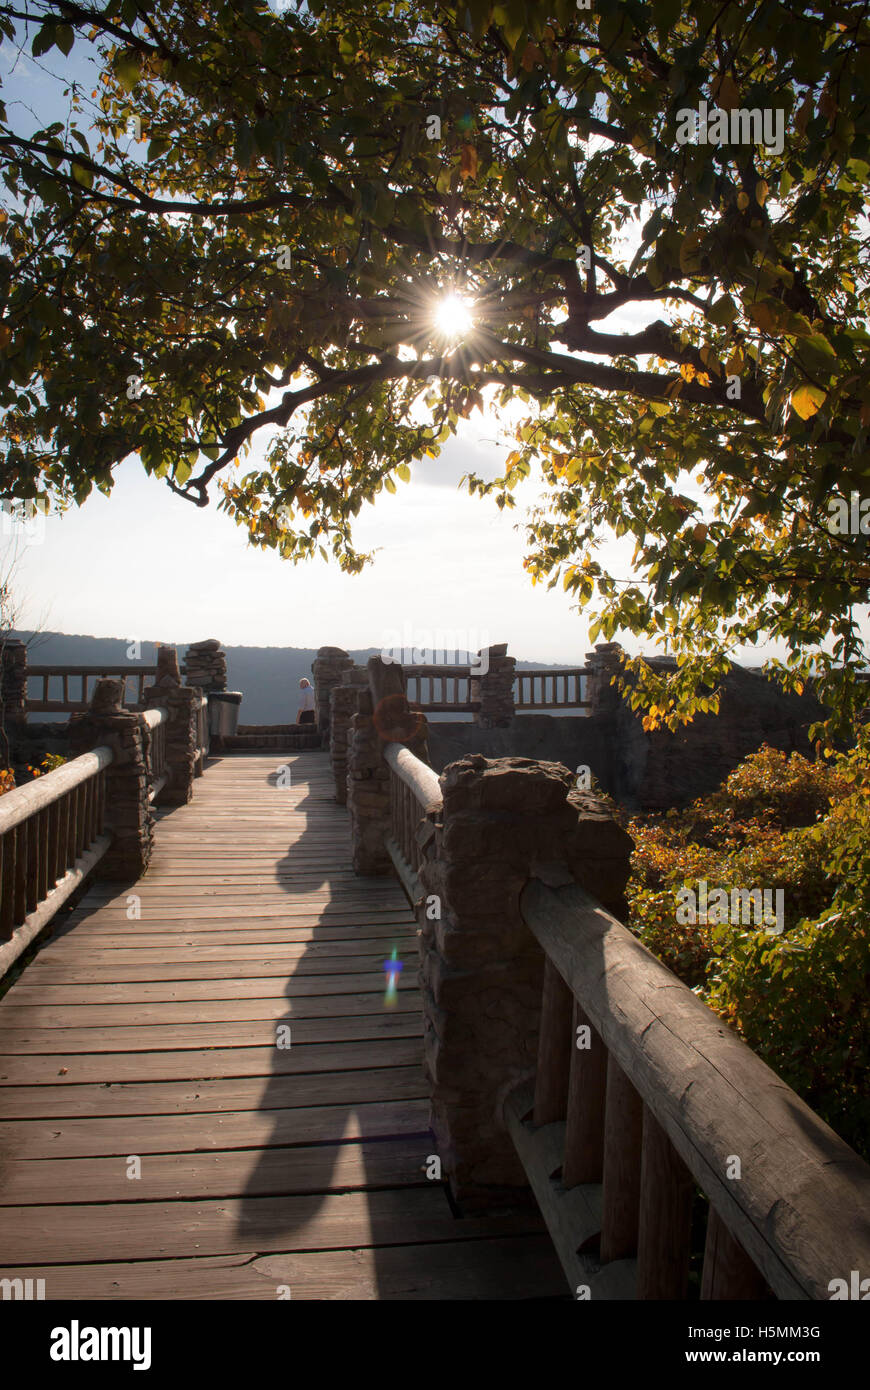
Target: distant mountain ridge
(267, 676)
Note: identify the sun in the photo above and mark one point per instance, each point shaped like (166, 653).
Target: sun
(453, 316)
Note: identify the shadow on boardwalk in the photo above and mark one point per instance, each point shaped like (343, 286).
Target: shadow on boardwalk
(356, 1150)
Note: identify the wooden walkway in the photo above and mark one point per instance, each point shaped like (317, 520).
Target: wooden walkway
(263, 1171)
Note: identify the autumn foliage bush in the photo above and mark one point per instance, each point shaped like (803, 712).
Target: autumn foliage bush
(801, 1000)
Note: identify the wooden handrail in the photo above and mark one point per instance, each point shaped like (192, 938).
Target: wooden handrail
(445, 681)
(798, 1200)
(83, 674)
(51, 837)
(569, 676)
(19, 804)
(415, 799)
(422, 779)
(155, 720)
(118, 669)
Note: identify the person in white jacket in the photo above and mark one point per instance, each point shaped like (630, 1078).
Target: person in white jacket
(305, 712)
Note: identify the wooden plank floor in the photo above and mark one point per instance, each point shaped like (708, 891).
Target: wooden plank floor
(146, 1029)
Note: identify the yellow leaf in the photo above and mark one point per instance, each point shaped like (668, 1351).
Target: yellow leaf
(806, 400)
(761, 191)
(742, 200)
(468, 162)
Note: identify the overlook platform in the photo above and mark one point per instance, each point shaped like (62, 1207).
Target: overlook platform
(146, 1029)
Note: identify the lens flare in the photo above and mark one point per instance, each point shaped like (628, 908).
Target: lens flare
(453, 316)
(392, 968)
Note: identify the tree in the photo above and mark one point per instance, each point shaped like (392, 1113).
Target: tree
(315, 182)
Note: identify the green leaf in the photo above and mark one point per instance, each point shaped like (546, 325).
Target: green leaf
(43, 39)
(127, 70)
(63, 37)
(723, 312)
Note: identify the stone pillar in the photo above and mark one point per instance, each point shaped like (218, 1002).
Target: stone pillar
(129, 818)
(328, 667)
(178, 700)
(504, 820)
(383, 716)
(342, 707)
(205, 666)
(495, 688)
(604, 662)
(13, 682)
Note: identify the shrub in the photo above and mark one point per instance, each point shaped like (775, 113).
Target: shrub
(801, 1000)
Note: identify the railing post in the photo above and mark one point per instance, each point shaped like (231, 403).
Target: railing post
(205, 666)
(343, 702)
(327, 668)
(603, 664)
(129, 818)
(504, 820)
(383, 716)
(180, 703)
(494, 687)
(13, 687)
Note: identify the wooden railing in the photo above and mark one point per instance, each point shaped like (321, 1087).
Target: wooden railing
(202, 735)
(647, 1116)
(415, 797)
(641, 1093)
(51, 836)
(441, 689)
(551, 689)
(155, 721)
(80, 700)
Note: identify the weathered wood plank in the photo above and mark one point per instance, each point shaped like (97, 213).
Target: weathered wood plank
(403, 1022)
(197, 1064)
(155, 1230)
(403, 1081)
(259, 987)
(492, 1267)
(227, 1173)
(151, 1134)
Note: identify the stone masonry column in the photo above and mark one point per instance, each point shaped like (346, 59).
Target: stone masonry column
(129, 818)
(342, 707)
(328, 667)
(495, 688)
(179, 701)
(504, 820)
(205, 665)
(13, 682)
(604, 662)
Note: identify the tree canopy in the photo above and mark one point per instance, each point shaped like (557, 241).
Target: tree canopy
(685, 320)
